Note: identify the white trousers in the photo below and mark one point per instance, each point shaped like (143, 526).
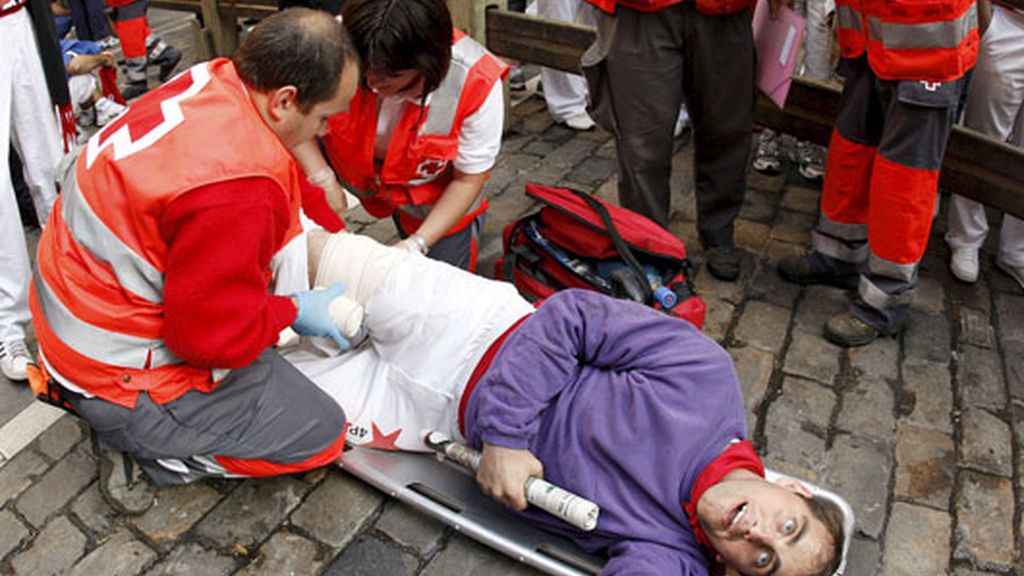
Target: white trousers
(565, 93)
(82, 88)
(817, 56)
(995, 106)
(27, 122)
(428, 324)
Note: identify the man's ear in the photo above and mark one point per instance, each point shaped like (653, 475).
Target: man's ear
(795, 486)
(282, 101)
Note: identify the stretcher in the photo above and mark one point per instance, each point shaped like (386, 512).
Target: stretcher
(448, 493)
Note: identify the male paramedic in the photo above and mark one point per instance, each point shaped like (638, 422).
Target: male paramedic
(904, 63)
(151, 302)
(628, 407)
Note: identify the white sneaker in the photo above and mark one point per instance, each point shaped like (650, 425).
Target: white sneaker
(107, 110)
(766, 159)
(581, 122)
(810, 160)
(964, 264)
(1015, 272)
(14, 359)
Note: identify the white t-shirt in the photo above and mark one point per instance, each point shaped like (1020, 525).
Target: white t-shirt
(479, 140)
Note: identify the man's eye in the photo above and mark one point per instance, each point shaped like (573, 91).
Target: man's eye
(763, 559)
(789, 527)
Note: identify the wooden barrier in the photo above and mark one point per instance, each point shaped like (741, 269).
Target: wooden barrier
(975, 165)
(219, 18)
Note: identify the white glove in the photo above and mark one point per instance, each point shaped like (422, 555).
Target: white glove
(415, 244)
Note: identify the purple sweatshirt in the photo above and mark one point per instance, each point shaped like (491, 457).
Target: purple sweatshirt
(623, 405)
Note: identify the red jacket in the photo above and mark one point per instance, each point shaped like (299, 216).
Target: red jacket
(417, 166)
(933, 41)
(98, 298)
(704, 6)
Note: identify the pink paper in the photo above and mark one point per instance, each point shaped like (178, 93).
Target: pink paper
(778, 43)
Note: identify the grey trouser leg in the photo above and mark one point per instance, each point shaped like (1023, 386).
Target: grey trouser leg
(653, 59)
(267, 413)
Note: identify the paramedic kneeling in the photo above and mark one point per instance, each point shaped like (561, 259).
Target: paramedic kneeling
(628, 407)
(152, 303)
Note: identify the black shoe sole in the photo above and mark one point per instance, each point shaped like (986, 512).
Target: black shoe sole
(843, 282)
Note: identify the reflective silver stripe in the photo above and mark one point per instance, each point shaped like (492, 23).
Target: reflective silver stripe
(945, 34)
(874, 296)
(890, 269)
(845, 231)
(445, 100)
(849, 18)
(133, 273)
(96, 343)
(837, 249)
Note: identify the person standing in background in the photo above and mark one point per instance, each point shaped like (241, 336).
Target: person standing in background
(904, 62)
(995, 107)
(647, 55)
(28, 123)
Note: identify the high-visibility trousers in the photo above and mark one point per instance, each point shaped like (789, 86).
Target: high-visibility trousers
(881, 181)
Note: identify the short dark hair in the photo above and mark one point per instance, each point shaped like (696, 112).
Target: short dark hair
(297, 47)
(392, 36)
(829, 514)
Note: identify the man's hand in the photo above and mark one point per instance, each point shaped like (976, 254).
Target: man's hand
(503, 472)
(773, 7)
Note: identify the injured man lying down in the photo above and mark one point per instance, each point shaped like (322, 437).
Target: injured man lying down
(625, 406)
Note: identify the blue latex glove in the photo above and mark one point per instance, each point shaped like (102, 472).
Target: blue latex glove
(315, 316)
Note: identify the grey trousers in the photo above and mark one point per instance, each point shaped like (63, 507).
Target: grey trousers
(639, 70)
(266, 418)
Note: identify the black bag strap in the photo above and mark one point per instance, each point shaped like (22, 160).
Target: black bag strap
(620, 244)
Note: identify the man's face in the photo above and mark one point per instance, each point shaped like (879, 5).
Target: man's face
(761, 528)
(298, 127)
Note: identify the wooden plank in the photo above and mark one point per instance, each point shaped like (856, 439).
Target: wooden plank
(975, 165)
(541, 41)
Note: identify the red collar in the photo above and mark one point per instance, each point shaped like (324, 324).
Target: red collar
(738, 455)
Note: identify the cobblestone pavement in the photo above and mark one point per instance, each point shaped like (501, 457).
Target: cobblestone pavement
(923, 434)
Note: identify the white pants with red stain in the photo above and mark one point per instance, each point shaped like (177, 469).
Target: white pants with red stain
(28, 122)
(427, 323)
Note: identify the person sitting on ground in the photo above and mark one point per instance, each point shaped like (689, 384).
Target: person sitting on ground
(151, 301)
(423, 131)
(633, 409)
(81, 59)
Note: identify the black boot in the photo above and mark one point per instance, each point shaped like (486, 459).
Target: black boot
(811, 268)
(134, 89)
(166, 57)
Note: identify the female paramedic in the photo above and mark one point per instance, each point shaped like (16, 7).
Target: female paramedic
(419, 138)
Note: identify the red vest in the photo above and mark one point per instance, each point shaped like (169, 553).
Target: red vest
(933, 41)
(417, 167)
(704, 6)
(97, 298)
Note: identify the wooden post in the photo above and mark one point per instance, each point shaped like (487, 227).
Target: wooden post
(223, 26)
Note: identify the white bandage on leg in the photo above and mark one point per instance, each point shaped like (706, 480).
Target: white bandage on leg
(347, 315)
(360, 262)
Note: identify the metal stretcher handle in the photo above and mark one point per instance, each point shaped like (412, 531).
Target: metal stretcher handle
(574, 509)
